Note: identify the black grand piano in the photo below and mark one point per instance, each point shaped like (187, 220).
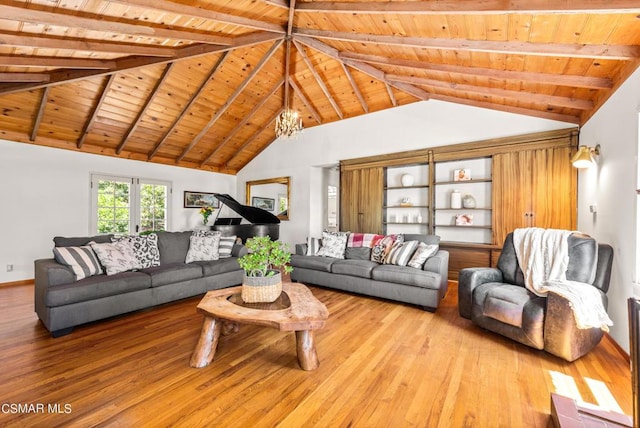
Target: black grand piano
(262, 223)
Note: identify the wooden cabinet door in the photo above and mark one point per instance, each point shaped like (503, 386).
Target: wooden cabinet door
(533, 188)
(511, 193)
(361, 199)
(554, 189)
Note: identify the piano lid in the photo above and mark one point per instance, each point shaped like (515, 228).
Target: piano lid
(252, 214)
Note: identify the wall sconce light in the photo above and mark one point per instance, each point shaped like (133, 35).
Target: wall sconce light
(584, 156)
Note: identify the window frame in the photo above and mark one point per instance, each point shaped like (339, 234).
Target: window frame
(134, 200)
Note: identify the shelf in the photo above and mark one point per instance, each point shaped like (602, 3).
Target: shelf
(406, 206)
(478, 180)
(418, 186)
(463, 209)
(471, 226)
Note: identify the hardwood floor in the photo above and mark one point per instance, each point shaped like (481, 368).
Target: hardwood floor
(381, 364)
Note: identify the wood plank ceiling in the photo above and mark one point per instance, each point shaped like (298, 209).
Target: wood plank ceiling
(198, 83)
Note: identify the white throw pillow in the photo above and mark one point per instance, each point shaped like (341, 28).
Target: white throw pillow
(423, 252)
(82, 260)
(116, 257)
(203, 248)
(334, 244)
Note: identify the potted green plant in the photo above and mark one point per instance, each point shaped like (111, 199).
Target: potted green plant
(263, 266)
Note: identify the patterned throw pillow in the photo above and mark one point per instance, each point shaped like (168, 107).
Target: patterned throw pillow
(203, 248)
(116, 257)
(380, 250)
(226, 245)
(82, 260)
(423, 252)
(333, 244)
(401, 253)
(145, 248)
(313, 246)
(367, 240)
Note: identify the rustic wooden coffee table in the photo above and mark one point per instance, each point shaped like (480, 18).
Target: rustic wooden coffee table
(296, 309)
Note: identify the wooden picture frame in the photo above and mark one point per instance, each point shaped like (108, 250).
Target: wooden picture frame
(267, 204)
(200, 199)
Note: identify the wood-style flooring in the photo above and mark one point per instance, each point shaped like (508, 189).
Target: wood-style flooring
(382, 364)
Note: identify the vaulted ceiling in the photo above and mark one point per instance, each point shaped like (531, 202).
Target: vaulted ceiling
(199, 83)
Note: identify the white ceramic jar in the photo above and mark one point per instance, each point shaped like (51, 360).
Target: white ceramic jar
(456, 200)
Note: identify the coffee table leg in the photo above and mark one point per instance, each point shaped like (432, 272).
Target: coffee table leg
(306, 349)
(207, 344)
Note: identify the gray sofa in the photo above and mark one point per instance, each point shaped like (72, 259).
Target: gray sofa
(423, 287)
(62, 303)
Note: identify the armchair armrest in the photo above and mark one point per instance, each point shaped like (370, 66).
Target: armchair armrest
(562, 337)
(468, 280)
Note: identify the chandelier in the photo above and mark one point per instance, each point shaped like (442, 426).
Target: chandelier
(288, 124)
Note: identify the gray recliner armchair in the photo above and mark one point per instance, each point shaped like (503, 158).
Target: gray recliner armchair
(497, 300)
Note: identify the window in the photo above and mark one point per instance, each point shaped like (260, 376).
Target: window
(128, 204)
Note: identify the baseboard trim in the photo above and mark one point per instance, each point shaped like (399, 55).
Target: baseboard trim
(618, 347)
(15, 283)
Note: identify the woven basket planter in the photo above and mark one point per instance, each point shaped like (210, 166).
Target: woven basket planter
(261, 289)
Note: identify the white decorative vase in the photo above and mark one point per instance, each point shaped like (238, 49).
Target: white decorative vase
(406, 180)
(456, 200)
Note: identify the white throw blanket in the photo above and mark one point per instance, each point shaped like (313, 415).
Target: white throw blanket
(543, 256)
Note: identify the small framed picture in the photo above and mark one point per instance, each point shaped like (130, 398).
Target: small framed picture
(463, 174)
(464, 219)
(267, 204)
(200, 199)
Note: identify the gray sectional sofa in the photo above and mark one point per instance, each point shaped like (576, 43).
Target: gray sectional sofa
(424, 287)
(62, 303)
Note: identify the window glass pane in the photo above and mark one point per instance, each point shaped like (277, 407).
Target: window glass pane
(113, 206)
(153, 202)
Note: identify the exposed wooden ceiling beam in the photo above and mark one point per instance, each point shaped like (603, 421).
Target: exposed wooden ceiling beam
(392, 97)
(545, 78)
(365, 68)
(472, 6)
(84, 45)
(96, 109)
(354, 85)
(24, 77)
(199, 12)
(103, 23)
(186, 108)
(240, 126)
(509, 109)
(145, 107)
(250, 141)
(319, 80)
(620, 52)
(54, 62)
(38, 118)
(278, 3)
(129, 63)
(305, 101)
(231, 98)
(292, 11)
(573, 103)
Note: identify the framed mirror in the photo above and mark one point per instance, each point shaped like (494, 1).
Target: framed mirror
(271, 194)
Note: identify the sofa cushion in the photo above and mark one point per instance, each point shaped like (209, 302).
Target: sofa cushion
(203, 248)
(407, 276)
(61, 241)
(116, 257)
(95, 287)
(312, 262)
(361, 268)
(333, 244)
(313, 246)
(81, 260)
(173, 273)
(367, 240)
(226, 246)
(145, 248)
(401, 253)
(173, 246)
(423, 252)
(358, 253)
(216, 267)
(504, 303)
(427, 239)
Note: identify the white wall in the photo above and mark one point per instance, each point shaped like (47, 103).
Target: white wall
(611, 187)
(45, 192)
(419, 125)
